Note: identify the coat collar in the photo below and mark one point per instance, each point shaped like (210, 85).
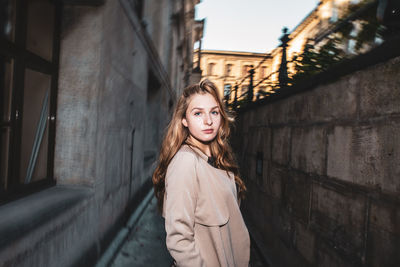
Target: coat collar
(198, 151)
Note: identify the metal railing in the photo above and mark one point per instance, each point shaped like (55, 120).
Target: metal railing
(363, 27)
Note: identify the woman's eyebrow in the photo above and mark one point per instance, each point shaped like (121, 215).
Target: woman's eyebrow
(203, 108)
(197, 108)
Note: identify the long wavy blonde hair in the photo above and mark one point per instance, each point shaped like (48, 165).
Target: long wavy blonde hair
(176, 135)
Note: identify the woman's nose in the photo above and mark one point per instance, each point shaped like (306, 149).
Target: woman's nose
(208, 119)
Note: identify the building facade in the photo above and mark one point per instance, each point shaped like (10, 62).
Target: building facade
(315, 29)
(228, 68)
(87, 88)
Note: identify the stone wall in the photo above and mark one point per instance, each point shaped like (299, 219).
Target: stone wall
(115, 96)
(322, 169)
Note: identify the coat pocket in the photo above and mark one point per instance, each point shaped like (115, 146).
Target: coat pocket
(211, 211)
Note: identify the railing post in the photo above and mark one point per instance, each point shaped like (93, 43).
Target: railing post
(227, 96)
(235, 99)
(250, 92)
(283, 74)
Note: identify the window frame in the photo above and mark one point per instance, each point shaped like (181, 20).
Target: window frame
(227, 88)
(210, 69)
(228, 70)
(24, 59)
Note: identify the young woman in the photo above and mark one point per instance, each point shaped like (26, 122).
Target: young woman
(197, 184)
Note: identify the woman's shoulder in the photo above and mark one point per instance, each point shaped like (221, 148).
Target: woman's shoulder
(182, 166)
(185, 155)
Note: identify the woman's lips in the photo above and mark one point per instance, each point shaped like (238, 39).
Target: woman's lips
(208, 131)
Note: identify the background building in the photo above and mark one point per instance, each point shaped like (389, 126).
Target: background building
(228, 68)
(336, 29)
(87, 88)
(323, 24)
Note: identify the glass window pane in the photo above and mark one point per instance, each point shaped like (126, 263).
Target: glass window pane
(34, 142)
(7, 19)
(6, 68)
(4, 148)
(227, 89)
(244, 89)
(40, 27)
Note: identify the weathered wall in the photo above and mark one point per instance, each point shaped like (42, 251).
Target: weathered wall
(114, 101)
(329, 191)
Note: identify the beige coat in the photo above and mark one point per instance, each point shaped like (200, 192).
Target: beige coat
(202, 218)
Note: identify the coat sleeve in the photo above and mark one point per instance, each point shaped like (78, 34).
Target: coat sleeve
(179, 207)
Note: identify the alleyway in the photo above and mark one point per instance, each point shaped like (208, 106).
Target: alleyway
(144, 243)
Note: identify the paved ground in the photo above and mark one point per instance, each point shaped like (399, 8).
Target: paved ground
(145, 244)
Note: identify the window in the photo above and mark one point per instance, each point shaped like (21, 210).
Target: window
(28, 87)
(245, 70)
(227, 90)
(335, 13)
(228, 70)
(210, 70)
(351, 43)
(263, 71)
(244, 89)
(351, 46)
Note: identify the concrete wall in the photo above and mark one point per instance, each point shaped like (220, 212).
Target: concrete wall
(114, 101)
(329, 191)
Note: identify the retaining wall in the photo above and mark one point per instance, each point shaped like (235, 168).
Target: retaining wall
(322, 169)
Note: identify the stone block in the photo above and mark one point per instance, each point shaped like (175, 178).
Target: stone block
(327, 256)
(263, 116)
(339, 153)
(385, 216)
(248, 121)
(260, 116)
(384, 234)
(255, 141)
(379, 89)
(262, 142)
(366, 155)
(305, 242)
(280, 110)
(281, 145)
(326, 102)
(282, 223)
(297, 195)
(383, 248)
(308, 149)
(340, 217)
(254, 203)
(259, 141)
(264, 179)
(298, 108)
(277, 178)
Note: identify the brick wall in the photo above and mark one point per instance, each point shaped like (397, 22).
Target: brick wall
(329, 190)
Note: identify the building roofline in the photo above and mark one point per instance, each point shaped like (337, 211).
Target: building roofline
(304, 22)
(233, 53)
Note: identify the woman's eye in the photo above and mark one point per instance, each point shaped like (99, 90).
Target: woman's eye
(215, 112)
(197, 113)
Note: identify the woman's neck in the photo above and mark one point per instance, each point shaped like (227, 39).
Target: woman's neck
(202, 146)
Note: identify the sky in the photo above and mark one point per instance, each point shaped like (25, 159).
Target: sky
(249, 25)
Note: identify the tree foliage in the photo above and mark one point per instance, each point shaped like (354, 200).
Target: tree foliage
(363, 30)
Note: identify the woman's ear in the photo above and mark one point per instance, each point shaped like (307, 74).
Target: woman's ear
(184, 122)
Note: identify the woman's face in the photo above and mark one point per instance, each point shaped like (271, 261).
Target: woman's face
(203, 117)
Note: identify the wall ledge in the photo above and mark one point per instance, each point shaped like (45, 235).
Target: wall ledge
(19, 217)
